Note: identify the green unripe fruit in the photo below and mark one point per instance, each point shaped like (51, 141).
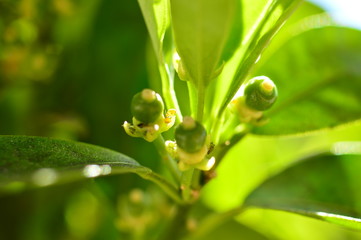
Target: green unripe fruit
(147, 106)
(260, 93)
(190, 135)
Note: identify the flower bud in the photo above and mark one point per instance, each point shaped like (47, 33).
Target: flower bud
(190, 135)
(147, 106)
(148, 119)
(192, 146)
(260, 93)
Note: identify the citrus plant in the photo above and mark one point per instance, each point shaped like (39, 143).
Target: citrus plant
(250, 105)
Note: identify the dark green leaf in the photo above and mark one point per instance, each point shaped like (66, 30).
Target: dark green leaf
(200, 31)
(27, 162)
(325, 187)
(318, 77)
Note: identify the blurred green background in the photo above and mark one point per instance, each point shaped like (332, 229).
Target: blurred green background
(68, 69)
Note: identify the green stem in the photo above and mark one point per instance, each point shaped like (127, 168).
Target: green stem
(167, 159)
(215, 220)
(200, 103)
(192, 98)
(216, 127)
(196, 179)
(186, 182)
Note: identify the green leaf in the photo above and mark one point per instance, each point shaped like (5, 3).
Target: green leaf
(324, 187)
(283, 225)
(318, 77)
(28, 162)
(201, 29)
(156, 16)
(256, 158)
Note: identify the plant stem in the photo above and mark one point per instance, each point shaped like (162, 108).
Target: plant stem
(216, 127)
(196, 179)
(186, 182)
(200, 103)
(192, 98)
(167, 159)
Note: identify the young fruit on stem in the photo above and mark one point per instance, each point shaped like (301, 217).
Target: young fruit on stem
(260, 93)
(147, 106)
(149, 121)
(191, 145)
(190, 135)
(256, 96)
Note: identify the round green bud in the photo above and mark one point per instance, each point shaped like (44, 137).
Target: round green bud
(147, 106)
(260, 93)
(190, 135)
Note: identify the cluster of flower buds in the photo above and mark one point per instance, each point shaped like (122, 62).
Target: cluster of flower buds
(149, 121)
(256, 96)
(191, 143)
(191, 146)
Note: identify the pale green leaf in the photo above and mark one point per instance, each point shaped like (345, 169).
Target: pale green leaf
(256, 158)
(325, 187)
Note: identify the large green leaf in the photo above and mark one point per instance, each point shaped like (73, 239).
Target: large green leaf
(318, 76)
(256, 158)
(200, 31)
(27, 162)
(325, 187)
